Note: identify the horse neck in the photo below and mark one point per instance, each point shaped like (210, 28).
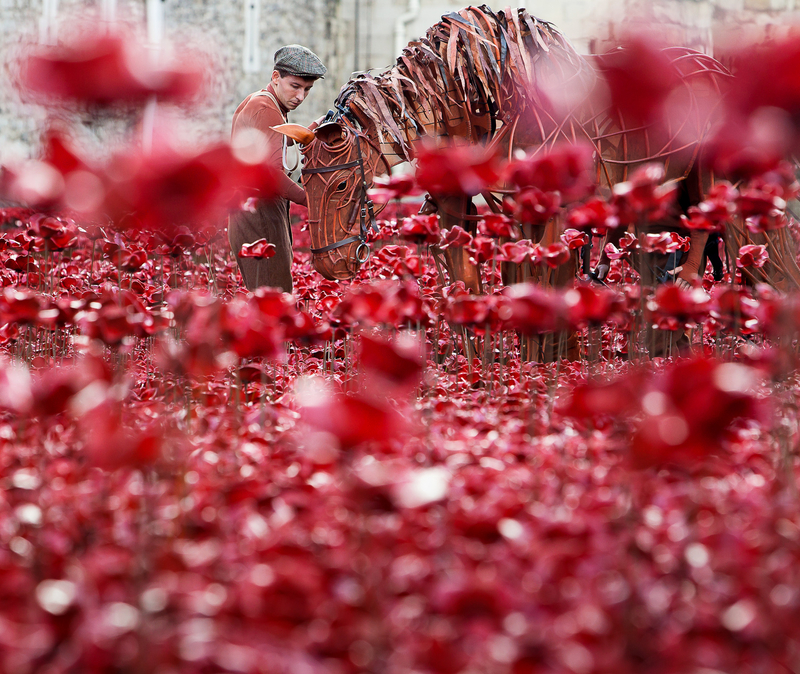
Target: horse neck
(374, 102)
(391, 153)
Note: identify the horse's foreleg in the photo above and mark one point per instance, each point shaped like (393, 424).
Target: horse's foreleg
(461, 269)
(451, 212)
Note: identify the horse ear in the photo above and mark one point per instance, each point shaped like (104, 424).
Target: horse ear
(297, 133)
(330, 132)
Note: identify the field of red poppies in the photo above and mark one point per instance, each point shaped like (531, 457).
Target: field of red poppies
(200, 479)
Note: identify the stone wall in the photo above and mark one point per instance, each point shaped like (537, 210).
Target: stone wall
(711, 26)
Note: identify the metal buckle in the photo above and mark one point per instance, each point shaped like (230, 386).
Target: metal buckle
(362, 252)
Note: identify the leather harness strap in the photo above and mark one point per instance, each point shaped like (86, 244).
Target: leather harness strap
(328, 169)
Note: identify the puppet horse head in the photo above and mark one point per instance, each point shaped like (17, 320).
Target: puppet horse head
(340, 165)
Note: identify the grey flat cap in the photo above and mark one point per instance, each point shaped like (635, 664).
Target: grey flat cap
(299, 61)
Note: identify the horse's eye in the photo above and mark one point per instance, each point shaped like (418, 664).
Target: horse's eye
(341, 186)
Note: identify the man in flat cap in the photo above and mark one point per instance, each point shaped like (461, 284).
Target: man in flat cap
(296, 70)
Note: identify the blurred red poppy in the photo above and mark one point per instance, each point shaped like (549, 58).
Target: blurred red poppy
(351, 419)
(360, 304)
(766, 77)
(533, 206)
(644, 194)
(169, 188)
(696, 219)
(421, 229)
(387, 188)
(759, 202)
(758, 224)
(15, 215)
(456, 170)
(591, 305)
(599, 401)
(719, 204)
(780, 181)
(133, 260)
(733, 306)
(555, 254)
(640, 78)
(397, 362)
(15, 387)
(595, 214)
(111, 445)
(530, 309)
(520, 251)
(674, 308)
(744, 147)
(102, 68)
(19, 305)
(573, 239)
(689, 410)
(566, 169)
(496, 225)
(467, 309)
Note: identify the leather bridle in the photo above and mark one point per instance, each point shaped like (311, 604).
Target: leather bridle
(365, 207)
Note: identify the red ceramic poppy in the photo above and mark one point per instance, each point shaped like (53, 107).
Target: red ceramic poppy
(260, 249)
(531, 310)
(533, 206)
(352, 420)
(455, 236)
(420, 229)
(481, 249)
(752, 256)
(595, 214)
(573, 239)
(133, 260)
(591, 305)
(520, 252)
(690, 408)
(665, 242)
(497, 225)
(758, 224)
(168, 188)
(555, 254)
(675, 308)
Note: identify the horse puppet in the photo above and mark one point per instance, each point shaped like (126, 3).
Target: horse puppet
(477, 78)
(488, 78)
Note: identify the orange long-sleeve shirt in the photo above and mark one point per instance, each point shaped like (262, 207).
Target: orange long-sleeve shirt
(260, 112)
